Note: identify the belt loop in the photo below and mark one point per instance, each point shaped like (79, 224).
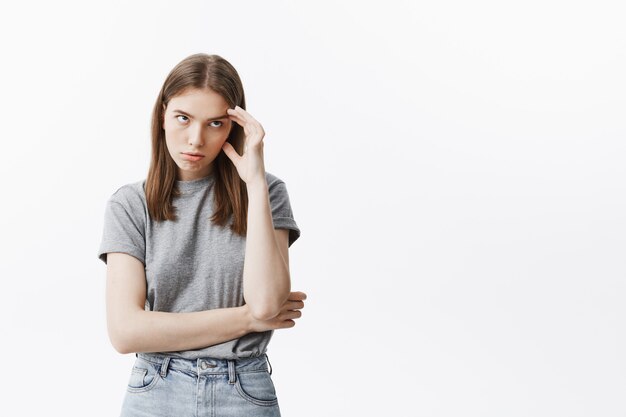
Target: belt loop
(232, 376)
(164, 365)
(268, 362)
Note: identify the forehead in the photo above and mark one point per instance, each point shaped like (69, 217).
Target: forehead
(199, 102)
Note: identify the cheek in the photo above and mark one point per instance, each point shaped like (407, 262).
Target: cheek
(172, 134)
(224, 137)
(218, 134)
(171, 139)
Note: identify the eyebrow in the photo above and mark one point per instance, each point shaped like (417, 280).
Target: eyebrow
(208, 120)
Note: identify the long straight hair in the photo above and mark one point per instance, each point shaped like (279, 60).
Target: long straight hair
(199, 71)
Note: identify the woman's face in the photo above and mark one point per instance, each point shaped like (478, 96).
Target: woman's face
(195, 122)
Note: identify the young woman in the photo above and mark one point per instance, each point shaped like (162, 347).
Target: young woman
(197, 255)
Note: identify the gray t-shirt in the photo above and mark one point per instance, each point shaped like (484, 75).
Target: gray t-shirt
(191, 264)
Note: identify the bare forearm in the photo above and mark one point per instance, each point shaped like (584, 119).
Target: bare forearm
(159, 331)
(266, 281)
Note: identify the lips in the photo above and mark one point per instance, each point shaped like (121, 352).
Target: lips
(194, 157)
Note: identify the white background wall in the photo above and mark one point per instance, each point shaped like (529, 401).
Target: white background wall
(456, 168)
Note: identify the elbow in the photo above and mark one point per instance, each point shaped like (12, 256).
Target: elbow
(268, 310)
(264, 313)
(120, 338)
(120, 343)
(121, 347)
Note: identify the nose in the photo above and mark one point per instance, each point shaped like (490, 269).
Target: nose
(195, 137)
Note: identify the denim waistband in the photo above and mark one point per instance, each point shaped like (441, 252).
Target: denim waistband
(208, 365)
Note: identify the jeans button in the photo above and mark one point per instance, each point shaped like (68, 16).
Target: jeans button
(204, 365)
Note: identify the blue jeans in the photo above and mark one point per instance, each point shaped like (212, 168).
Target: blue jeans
(162, 385)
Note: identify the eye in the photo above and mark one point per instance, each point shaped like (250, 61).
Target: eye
(217, 121)
(181, 115)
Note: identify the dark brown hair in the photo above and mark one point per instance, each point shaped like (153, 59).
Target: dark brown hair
(199, 71)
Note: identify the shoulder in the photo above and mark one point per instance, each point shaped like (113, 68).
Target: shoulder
(276, 187)
(131, 195)
(278, 194)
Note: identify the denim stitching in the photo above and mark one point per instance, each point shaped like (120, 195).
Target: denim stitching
(253, 400)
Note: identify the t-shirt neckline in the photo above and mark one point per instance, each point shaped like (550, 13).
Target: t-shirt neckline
(192, 185)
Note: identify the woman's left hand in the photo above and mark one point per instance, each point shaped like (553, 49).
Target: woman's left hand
(250, 165)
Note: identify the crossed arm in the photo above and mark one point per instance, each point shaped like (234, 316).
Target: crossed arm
(266, 287)
(133, 329)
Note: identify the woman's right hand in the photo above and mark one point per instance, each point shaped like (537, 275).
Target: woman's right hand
(289, 311)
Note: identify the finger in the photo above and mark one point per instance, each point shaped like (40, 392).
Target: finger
(299, 303)
(244, 113)
(239, 113)
(294, 314)
(248, 117)
(297, 293)
(293, 305)
(289, 323)
(236, 115)
(237, 119)
(296, 296)
(286, 324)
(231, 152)
(249, 128)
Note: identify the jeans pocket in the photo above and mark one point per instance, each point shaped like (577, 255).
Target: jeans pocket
(256, 387)
(144, 376)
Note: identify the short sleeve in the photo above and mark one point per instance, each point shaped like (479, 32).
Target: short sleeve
(124, 231)
(282, 215)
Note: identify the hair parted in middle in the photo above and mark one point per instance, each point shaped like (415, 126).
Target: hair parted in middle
(199, 71)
